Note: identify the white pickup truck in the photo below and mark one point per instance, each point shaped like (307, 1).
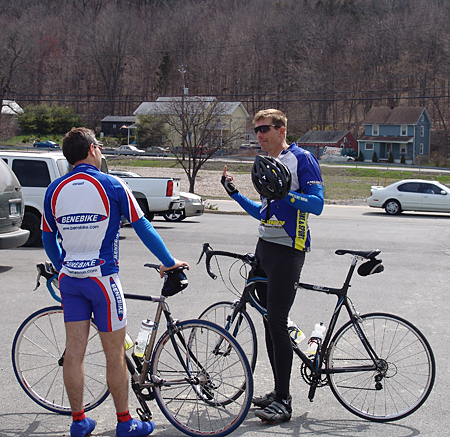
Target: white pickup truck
(36, 171)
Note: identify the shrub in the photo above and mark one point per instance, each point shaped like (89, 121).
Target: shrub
(374, 157)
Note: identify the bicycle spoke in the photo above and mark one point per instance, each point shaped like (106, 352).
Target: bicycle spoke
(404, 375)
(201, 401)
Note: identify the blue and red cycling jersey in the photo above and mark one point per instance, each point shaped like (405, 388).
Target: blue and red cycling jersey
(85, 208)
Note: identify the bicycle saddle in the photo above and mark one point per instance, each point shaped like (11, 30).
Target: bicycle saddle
(368, 254)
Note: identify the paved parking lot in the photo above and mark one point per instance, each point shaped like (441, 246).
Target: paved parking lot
(415, 252)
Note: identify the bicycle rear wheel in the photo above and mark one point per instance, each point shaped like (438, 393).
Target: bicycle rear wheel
(240, 326)
(197, 373)
(405, 374)
(38, 357)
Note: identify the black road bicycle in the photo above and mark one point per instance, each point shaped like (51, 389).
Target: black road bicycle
(379, 366)
(197, 372)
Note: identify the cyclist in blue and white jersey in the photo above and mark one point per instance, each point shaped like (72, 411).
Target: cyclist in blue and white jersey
(84, 208)
(284, 238)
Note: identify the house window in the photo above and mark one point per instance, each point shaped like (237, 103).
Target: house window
(421, 148)
(402, 148)
(375, 130)
(422, 117)
(404, 130)
(369, 146)
(114, 126)
(422, 131)
(345, 140)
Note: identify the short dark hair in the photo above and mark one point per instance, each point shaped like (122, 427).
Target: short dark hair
(76, 144)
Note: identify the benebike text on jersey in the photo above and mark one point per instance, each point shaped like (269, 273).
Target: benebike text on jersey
(287, 225)
(89, 228)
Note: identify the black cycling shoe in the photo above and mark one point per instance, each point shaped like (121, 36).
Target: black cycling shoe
(264, 401)
(276, 412)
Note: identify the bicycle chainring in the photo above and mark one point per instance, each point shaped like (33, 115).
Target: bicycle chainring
(308, 378)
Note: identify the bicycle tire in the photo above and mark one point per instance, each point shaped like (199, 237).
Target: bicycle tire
(199, 401)
(242, 328)
(401, 387)
(37, 358)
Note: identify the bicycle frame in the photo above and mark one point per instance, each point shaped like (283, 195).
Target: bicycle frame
(313, 364)
(139, 371)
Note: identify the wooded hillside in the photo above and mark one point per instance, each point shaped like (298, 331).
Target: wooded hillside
(324, 62)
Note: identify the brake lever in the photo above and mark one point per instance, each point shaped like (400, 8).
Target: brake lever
(206, 248)
(38, 279)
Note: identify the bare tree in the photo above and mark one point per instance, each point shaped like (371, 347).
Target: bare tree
(112, 46)
(14, 53)
(198, 128)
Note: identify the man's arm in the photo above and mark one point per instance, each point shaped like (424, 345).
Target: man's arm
(311, 201)
(152, 240)
(249, 206)
(52, 248)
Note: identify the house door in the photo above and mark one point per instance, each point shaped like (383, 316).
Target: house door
(388, 149)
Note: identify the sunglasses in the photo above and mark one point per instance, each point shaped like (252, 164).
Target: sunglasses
(265, 128)
(98, 146)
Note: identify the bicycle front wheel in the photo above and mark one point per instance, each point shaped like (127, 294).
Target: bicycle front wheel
(38, 358)
(405, 368)
(240, 326)
(197, 373)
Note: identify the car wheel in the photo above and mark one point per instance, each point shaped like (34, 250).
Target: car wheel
(175, 216)
(392, 207)
(32, 223)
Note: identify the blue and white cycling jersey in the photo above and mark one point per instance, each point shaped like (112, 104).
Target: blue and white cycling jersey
(287, 223)
(89, 229)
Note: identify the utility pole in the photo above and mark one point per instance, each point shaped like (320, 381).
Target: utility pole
(182, 70)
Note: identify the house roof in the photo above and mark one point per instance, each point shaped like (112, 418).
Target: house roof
(10, 107)
(317, 136)
(120, 118)
(386, 139)
(394, 115)
(170, 105)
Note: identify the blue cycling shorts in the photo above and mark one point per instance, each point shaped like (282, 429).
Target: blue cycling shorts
(101, 296)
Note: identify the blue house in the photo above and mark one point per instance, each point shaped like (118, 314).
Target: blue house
(400, 130)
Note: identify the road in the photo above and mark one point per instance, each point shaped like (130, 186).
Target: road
(415, 251)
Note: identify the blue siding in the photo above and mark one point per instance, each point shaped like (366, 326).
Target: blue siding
(412, 149)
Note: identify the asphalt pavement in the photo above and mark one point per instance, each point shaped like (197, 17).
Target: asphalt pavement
(415, 249)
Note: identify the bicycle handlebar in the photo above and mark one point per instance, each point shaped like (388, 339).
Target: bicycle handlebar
(248, 258)
(51, 275)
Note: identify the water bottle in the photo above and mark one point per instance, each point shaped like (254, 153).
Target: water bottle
(295, 332)
(316, 338)
(142, 338)
(129, 343)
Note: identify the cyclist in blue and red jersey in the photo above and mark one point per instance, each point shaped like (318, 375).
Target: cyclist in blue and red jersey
(84, 208)
(284, 239)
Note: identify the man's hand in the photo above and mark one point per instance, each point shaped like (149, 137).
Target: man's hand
(178, 263)
(227, 182)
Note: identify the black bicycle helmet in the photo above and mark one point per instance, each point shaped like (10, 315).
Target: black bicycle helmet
(174, 281)
(271, 178)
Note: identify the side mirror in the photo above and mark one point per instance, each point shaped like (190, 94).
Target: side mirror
(443, 192)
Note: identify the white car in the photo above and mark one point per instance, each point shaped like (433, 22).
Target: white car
(193, 205)
(336, 158)
(411, 195)
(128, 150)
